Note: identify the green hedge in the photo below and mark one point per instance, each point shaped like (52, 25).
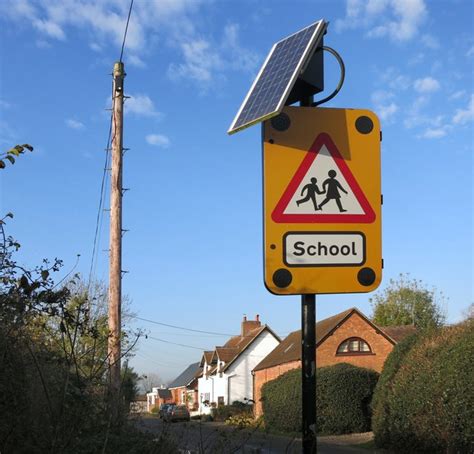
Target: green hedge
(343, 396)
(424, 401)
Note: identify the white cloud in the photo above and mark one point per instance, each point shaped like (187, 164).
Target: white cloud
(4, 104)
(400, 20)
(135, 60)
(387, 111)
(200, 61)
(158, 140)
(7, 134)
(239, 58)
(434, 133)
(95, 47)
(205, 61)
(49, 28)
(470, 52)
(430, 41)
(74, 124)
(426, 85)
(103, 20)
(464, 116)
(457, 94)
(141, 105)
(384, 104)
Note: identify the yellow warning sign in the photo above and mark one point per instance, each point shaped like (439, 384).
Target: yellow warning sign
(322, 201)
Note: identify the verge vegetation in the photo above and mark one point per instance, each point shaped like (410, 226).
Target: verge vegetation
(54, 367)
(424, 401)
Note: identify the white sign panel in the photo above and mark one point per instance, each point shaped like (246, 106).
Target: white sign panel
(324, 248)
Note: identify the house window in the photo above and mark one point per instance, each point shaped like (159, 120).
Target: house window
(354, 346)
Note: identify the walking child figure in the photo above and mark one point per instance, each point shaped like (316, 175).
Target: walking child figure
(311, 190)
(331, 186)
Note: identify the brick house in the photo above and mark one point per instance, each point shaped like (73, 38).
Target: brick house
(184, 388)
(227, 370)
(348, 337)
(158, 396)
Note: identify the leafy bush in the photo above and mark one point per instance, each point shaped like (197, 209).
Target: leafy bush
(223, 412)
(425, 399)
(343, 395)
(242, 420)
(53, 368)
(282, 402)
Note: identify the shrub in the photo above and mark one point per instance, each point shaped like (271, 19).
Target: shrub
(241, 421)
(343, 396)
(382, 390)
(282, 402)
(426, 403)
(223, 412)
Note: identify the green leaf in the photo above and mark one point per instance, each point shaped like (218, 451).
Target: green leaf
(9, 215)
(44, 274)
(2, 164)
(19, 148)
(14, 152)
(11, 159)
(27, 146)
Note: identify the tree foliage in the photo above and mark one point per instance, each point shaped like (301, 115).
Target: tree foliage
(407, 301)
(54, 366)
(13, 153)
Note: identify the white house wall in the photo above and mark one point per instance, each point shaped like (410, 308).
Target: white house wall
(237, 381)
(240, 371)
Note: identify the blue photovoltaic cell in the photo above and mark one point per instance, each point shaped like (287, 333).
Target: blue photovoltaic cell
(276, 77)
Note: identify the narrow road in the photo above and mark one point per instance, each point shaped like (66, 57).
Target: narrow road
(215, 438)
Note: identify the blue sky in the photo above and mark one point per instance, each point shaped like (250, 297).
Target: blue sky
(193, 251)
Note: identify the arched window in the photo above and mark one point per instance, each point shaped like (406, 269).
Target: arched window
(354, 346)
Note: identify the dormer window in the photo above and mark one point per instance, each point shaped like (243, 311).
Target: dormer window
(354, 346)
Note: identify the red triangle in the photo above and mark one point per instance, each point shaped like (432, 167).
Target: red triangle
(278, 214)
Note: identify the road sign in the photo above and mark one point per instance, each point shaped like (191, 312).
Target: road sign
(322, 201)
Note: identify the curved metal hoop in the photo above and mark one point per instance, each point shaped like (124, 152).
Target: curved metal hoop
(341, 80)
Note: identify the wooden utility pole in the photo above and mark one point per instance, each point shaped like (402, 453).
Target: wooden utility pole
(115, 268)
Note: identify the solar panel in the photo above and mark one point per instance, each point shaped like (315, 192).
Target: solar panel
(279, 72)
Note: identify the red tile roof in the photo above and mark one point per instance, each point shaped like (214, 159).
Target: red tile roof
(289, 349)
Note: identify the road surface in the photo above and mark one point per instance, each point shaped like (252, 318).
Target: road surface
(215, 438)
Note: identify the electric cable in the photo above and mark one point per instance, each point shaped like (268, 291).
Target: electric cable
(181, 327)
(341, 80)
(174, 343)
(104, 175)
(126, 30)
(101, 201)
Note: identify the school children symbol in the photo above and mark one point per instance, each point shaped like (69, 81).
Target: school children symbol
(323, 190)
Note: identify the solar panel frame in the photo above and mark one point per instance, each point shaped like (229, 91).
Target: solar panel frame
(319, 29)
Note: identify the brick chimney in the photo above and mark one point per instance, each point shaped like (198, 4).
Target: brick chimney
(249, 325)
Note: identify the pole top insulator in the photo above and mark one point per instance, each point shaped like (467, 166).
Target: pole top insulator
(119, 69)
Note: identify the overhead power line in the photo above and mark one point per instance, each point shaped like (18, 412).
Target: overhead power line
(181, 327)
(174, 343)
(126, 30)
(106, 165)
